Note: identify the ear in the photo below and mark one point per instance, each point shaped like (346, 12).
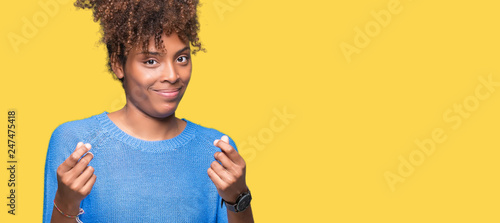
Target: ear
(116, 66)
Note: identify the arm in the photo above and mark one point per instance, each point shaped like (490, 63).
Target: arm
(74, 182)
(229, 178)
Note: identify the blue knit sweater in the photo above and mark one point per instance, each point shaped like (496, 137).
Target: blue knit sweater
(139, 180)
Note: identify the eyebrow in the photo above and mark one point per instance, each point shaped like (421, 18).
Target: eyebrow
(162, 54)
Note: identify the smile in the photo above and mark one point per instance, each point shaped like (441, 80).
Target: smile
(168, 93)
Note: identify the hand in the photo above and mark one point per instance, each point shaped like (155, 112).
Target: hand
(75, 179)
(229, 178)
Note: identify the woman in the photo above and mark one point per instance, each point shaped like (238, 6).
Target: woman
(142, 163)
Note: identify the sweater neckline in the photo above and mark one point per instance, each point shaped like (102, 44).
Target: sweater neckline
(149, 146)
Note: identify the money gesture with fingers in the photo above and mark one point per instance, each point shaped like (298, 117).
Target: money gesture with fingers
(228, 175)
(75, 179)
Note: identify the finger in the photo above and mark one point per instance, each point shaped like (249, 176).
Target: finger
(71, 161)
(219, 183)
(229, 151)
(222, 172)
(81, 165)
(81, 180)
(88, 186)
(226, 163)
(225, 138)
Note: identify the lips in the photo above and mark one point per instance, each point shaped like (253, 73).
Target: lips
(167, 90)
(168, 93)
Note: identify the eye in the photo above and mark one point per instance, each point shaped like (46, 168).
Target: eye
(182, 59)
(150, 62)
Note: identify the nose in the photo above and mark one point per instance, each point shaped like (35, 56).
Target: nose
(169, 74)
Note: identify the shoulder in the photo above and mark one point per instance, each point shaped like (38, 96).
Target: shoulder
(68, 134)
(208, 133)
(77, 127)
(205, 131)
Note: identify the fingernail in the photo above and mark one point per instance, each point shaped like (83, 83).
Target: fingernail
(91, 153)
(79, 144)
(215, 142)
(225, 138)
(88, 145)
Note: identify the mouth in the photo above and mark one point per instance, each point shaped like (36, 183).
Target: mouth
(168, 93)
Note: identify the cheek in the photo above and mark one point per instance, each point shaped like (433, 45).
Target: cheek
(139, 85)
(136, 92)
(148, 75)
(186, 75)
(186, 79)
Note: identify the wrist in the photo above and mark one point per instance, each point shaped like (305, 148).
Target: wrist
(70, 208)
(235, 197)
(241, 203)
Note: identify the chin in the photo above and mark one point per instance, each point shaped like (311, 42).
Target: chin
(164, 111)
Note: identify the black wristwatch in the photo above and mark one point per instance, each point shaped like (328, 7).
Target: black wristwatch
(242, 202)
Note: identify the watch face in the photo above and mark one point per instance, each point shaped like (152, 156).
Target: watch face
(244, 202)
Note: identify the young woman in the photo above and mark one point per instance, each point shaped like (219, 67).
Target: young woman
(142, 163)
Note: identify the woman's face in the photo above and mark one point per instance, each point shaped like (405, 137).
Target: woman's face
(154, 80)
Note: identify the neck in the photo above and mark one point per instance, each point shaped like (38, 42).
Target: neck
(140, 125)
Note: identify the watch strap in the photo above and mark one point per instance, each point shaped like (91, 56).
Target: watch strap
(233, 207)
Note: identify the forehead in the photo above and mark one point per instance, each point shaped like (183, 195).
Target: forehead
(171, 44)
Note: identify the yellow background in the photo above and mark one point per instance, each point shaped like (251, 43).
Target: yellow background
(353, 120)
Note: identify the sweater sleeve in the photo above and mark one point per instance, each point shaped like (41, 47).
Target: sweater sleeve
(62, 143)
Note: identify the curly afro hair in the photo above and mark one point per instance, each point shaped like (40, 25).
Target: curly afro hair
(129, 23)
